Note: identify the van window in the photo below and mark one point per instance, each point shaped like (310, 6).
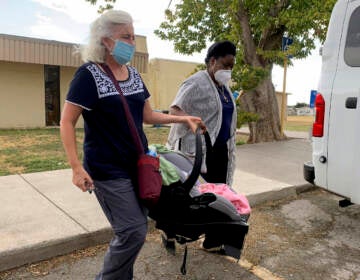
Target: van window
(352, 46)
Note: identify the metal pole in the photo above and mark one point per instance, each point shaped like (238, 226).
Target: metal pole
(283, 98)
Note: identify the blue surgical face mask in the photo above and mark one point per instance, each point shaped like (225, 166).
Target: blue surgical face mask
(122, 52)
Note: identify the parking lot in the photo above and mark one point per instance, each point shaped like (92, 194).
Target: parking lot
(309, 237)
(303, 237)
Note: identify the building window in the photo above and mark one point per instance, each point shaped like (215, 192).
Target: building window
(52, 95)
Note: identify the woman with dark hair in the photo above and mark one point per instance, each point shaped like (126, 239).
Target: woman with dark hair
(207, 94)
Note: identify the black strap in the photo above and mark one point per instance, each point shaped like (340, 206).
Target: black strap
(134, 132)
(195, 172)
(208, 142)
(183, 266)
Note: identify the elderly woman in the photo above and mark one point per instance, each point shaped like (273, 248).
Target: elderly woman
(206, 94)
(109, 165)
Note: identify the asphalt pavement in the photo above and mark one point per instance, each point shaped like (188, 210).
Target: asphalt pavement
(43, 215)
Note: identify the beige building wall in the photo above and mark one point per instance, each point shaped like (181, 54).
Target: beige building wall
(22, 86)
(22, 95)
(165, 78)
(22, 79)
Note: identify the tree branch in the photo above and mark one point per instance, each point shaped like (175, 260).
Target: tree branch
(273, 32)
(250, 56)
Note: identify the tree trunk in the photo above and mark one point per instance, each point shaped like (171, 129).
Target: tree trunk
(262, 101)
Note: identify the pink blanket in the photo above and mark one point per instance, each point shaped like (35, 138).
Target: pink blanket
(238, 200)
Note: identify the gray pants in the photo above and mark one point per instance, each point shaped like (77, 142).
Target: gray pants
(129, 221)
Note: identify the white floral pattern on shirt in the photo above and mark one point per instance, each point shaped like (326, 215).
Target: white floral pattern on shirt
(105, 87)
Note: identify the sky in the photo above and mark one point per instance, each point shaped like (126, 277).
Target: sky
(69, 20)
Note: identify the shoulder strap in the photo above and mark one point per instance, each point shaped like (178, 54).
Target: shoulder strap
(134, 133)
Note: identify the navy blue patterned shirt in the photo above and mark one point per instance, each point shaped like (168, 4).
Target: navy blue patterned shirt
(109, 150)
(227, 112)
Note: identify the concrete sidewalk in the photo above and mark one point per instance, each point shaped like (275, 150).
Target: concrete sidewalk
(43, 214)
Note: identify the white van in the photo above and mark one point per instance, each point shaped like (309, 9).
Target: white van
(335, 162)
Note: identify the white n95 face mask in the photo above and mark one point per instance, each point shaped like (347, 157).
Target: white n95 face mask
(223, 77)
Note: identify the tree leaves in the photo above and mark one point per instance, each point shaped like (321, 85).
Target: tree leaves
(108, 5)
(193, 23)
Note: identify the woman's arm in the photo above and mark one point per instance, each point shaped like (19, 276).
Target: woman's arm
(69, 117)
(153, 117)
(175, 110)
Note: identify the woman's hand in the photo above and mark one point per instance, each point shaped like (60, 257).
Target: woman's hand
(176, 116)
(82, 180)
(194, 123)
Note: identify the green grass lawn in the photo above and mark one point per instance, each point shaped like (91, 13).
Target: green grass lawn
(299, 123)
(293, 127)
(34, 150)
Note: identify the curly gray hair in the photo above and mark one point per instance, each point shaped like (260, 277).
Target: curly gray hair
(100, 28)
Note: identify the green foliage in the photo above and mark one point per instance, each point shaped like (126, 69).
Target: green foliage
(192, 24)
(248, 77)
(108, 5)
(244, 117)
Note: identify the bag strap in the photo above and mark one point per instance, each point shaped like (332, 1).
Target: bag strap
(208, 142)
(134, 132)
(183, 266)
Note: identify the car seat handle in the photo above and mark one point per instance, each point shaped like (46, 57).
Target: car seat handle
(195, 172)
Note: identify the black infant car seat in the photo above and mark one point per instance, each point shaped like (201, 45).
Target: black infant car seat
(185, 215)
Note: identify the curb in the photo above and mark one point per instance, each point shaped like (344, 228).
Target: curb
(45, 250)
(287, 192)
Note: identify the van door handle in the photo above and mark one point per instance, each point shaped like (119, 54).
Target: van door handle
(351, 102)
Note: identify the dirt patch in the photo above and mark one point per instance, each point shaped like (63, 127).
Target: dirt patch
(22, 141)
(6, 167)
(309, 237)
